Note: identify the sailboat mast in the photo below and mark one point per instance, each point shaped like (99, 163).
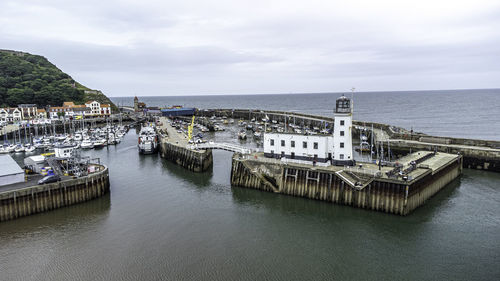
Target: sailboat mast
(371, 146)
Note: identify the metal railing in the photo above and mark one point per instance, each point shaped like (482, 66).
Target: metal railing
(364, 171)
(320, 164)
(223, 146)
(283, 160)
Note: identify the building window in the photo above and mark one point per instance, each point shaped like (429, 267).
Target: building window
(341, 133)
(272, 153)
(292, 143)
(341, 156)
(341, 145)
(315, 145)
(272, 142)
(342, 122)
(282, 154)
(282, 142)
(304, 144)
(315, 156)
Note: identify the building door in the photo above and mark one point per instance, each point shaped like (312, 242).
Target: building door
(282, 154)
(330, 156)
(292, 155)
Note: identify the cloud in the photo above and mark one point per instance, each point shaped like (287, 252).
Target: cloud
(196, 47)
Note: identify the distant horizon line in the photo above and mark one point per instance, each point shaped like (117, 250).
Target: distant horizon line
(305, 93)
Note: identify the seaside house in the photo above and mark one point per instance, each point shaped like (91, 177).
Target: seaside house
(56, 112)
(41, 113)
(81, 111)
(98, 109)
(69, 110)
(4, 114)
(28, 111)
(10, 114)
(77, 110)
(95, 107)
(105, 109)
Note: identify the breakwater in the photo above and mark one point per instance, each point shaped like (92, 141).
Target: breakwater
(193, 160)
(298, 118)
(479, 158)
(174, 147)
(379, 191)
(40, 198)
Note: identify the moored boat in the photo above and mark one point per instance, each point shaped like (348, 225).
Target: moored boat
(148, 140)
(87, 144)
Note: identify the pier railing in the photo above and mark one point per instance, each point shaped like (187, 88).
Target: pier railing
(283, 160)
(223, 146)
(364, 171)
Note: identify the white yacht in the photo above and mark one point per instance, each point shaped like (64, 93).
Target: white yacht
(100, 143)
(87, 144)
(111, 139)
(78, 137)
(19, 148)
(29, 148)
(148, 141)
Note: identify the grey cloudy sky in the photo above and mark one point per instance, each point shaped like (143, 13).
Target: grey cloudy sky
(194, 47)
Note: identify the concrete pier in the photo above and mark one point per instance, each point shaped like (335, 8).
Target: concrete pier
(174, 147)
(15, 203)
(366, 187)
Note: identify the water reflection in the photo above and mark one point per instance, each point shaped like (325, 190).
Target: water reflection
(198, 179)
(297, 206)
(92, 212)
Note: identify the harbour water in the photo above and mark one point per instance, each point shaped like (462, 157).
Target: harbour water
(161, 222)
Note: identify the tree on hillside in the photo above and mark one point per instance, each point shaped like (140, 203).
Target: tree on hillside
(27, 78)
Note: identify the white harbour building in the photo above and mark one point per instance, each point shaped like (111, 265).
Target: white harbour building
(336, 148)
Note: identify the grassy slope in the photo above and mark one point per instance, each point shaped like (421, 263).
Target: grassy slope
(27, 78)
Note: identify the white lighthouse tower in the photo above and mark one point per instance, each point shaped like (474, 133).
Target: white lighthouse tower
(342, 132)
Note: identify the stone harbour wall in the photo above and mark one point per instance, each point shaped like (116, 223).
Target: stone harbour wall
(40, 198)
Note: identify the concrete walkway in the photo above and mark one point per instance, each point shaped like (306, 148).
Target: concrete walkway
(173, 135)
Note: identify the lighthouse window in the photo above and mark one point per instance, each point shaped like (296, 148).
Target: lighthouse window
(341, 145)
(304, 144)
(341, 133)
(292, 143)
(282, 142)
(315, 145)
(272, 142)
(342, 122)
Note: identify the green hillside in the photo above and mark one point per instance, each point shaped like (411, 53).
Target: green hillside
(27, 78)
